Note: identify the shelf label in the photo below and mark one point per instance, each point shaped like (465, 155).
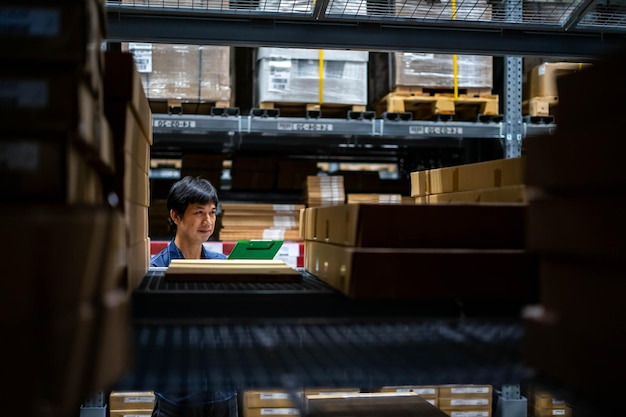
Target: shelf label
(435, 130)
(142, 54)
(306, 126)
(174, 123)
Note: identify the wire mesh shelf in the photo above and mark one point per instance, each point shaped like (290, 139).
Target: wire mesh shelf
(538, 14)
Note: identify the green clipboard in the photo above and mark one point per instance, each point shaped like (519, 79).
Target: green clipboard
(255, 249)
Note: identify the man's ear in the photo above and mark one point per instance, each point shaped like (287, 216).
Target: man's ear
(174, 216)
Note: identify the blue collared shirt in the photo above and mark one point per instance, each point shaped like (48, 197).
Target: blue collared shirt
(164, 257)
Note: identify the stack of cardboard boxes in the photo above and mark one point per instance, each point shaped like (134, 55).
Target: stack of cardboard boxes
(575, 223)
(368, 250)
(63, 294)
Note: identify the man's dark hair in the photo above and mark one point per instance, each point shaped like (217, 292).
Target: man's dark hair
(189, 190)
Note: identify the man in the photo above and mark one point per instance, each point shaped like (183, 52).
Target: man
(192, 206)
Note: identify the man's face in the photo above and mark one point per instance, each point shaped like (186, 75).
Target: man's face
(198, 222)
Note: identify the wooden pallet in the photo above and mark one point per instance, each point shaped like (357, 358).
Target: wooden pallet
(312, 110)
(424, 104)
(186, 107)
(539, 106)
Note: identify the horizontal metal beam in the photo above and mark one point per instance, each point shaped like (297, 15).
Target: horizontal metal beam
(195, 28)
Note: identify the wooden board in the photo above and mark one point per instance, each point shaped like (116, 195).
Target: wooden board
(231, 270)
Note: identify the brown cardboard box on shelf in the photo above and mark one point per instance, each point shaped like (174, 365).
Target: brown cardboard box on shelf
(49, 168)
(567, 281)
(122, 83)
(54, 101)
(271, 411)
(420, 183)
(578, 227)
(557, 162)
(592, 84)
(543, 77)
(56, 33)
(487, 174)
(440, 273)
(463, 390)
(404, 225)
(91, 234)
(507, 194)
(574, 354)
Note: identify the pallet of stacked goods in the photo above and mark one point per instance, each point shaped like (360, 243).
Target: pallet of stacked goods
(185, 79)
(419, 86)
(574, 335)
(290, 80)
(244, 221)
(63, 296)
(324, 190)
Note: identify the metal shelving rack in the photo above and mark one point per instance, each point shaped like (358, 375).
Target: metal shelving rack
(510, 28)
(291, 349)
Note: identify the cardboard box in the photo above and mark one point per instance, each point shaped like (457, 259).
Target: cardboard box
(465, 402)
(136, 216)
(591, 292)
(508, 194)
(381, 273)
(426, 391)
(59, 33)
(420, 183)
(131, 400)
(551, 412)
(488, 174)
(54, 101)
(573, 353)
(578, 227)
(557, 162)
(138, 262)
(271, 398)
(274, 411)
(543, 77)
(419, 226)
(465, 390)
(48, 168)
(592, 83)
(87, 232)
(122, 83)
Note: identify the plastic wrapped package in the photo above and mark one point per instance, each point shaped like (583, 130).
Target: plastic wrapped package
(290, 75)
(436, 70)
(191, 73)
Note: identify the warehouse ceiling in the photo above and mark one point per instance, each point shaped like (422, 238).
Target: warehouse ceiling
(568, 28)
